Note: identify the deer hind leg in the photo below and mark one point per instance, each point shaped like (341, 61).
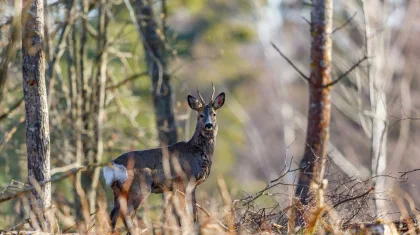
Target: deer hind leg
(115, 213)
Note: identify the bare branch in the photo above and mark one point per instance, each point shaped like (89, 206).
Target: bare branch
(53, 179)
(345, 23)
(404, 173)
(11, 109)
(306, 20)
(353, 198)
(205, 211)
(346, 73)
(8, 135)
(19, 226)
(132, 77)
(291, 63)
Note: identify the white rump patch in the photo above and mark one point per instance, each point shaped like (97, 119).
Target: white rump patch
(115, 172)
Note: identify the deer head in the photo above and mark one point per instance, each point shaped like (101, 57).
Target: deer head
(206, 118)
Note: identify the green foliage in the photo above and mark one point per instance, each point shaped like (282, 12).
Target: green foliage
(211, 44)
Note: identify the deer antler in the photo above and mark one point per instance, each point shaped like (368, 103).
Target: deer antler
(201, 98)
(212, 94)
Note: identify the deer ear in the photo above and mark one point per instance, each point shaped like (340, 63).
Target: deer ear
(194, 103)
(219, 101)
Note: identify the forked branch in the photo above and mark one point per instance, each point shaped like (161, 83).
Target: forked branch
(346, 73)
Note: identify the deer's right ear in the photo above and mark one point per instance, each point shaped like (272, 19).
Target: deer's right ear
(194, 103)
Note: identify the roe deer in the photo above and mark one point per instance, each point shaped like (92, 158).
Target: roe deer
(134, 175)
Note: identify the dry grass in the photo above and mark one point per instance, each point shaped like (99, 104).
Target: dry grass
(336, 209)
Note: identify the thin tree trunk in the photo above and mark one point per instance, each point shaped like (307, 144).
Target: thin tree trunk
(10, 51)
(76, 104)
(376, 50)
(84, 77)
(99, 100)
(312, 164)
(37, 128)
(157, 68)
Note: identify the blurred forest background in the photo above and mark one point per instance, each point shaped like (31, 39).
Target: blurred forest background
(96, 67)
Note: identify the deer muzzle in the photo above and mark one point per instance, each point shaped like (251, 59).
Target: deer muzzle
(209, 126)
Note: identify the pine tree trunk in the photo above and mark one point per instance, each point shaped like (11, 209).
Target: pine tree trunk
(312, 164)
(37, 126)
(157, 68)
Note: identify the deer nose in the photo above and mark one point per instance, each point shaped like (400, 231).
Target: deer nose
(208, 126)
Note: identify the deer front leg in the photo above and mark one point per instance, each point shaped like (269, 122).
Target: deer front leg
(194, 206)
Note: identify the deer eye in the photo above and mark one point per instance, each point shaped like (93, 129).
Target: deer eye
(214, 114)
(201, 115)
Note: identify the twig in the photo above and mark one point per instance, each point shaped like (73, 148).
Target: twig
(62, 169)
(205, 211)
(270, 185)
(8, 135)
(23, 222)
(291, 63)
(11, 109)
(404, 173)
(345, 23)
(353, 198)
(306, 20)
(132, 77)
(12, 183)
(346, 73)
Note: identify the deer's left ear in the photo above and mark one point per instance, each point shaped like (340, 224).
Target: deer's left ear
(219, 101)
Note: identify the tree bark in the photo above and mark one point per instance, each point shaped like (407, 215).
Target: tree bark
(157, 68)
(312, 164)
(37, 123)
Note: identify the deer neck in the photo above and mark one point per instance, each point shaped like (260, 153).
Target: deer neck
(203, 142)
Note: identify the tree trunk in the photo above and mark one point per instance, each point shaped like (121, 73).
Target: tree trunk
(76, 111)
(376, 50)
(83, 68)
(312, 164)
(157, 68)
(98, 101)
(37, 129)
(9, 52)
